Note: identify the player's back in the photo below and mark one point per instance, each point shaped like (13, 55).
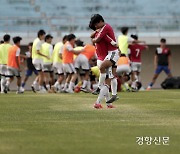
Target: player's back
(4, 48)
(135, 52)
(89, 51)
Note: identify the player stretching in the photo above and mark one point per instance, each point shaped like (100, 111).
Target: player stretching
(13, 65)
(108, 55)
(135, 57)
(162, 62)
(3, 61)
(37, 57)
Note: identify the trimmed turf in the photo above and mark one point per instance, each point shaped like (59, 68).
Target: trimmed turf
(67, 123)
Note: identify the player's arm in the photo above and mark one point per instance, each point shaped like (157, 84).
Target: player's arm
(38, 47)
(101, 34)
(61, 51)
(111, 41)
(71, 49)
(17, 58)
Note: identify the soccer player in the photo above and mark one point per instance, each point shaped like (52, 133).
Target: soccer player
(4, 47)
(67, 55)
(82, 62)
(162, 62)
(37, 57)
(47, 50)
(13, 65)
(57, 64)
(135, 57)
(108, 55)
(124, 40)
(30, 67)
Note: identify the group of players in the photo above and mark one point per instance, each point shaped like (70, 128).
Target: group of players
(71, 60)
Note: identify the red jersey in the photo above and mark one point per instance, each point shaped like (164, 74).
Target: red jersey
(104, 46)
(101, 49)
(107, 33)
(136, 50)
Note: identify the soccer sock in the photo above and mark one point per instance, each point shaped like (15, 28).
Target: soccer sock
(56, 84)
(71, 85)
(133, 84)
(89, 85)
(65, 86)
(102, 78)
(103, 93)
(107, 97)
(151, 84)
(85, 82)
(3, 81)
(35, 82)
(7, 83)
(114, 86)
(48, 86)
(23, 85)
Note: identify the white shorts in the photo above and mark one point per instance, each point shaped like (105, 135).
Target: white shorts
(136, 66)
(3, 70)
(113, 56)
(47, 68)
(13, 72)
(58, 68)
(38, 64)
(69, 68)
(109, 71)
(123, 69)
(82, 62)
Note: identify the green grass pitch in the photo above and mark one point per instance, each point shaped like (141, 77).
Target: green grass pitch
(68, 124)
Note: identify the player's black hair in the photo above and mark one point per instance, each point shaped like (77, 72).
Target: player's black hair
(6, 38)
(30, 44)
(134, 37)
(91, 26)
(96, 18)
(139, 85)
(48, 36)
(123, 55)
(64, 37)
(124, 30)
(70, 37)
(17, 39)
(41, 32)
(1, 42)
(79, 43)
(163, 40)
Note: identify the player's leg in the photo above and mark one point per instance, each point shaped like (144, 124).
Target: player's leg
(3, 71)
(157, 72)
(27, 75)
(73, 78)
(167, 71)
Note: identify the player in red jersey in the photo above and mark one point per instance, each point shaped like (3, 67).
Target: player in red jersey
(108, 55)
(135, 57)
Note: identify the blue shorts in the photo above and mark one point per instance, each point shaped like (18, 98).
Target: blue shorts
(161, 68)
(29, 72)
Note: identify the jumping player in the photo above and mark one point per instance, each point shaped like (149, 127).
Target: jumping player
(108, 55)
(162, 62)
